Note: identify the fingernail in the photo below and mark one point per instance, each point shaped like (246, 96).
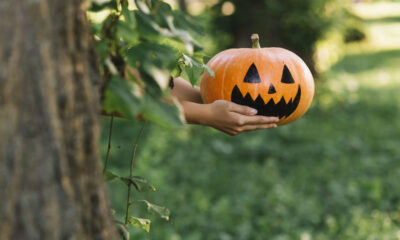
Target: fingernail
(253, 111)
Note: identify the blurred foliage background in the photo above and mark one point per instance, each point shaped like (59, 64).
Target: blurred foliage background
(333, 174)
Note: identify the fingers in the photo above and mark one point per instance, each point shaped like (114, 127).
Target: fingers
(242, 123)
(242, 109)
(257, 127)
(233, 131)
(250, 123)
(229, 131)
(251, 120)
(249, 117)
(239, 120)
(234, 119)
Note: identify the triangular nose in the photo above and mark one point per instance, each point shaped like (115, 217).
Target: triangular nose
(252, 75)
(271, 89)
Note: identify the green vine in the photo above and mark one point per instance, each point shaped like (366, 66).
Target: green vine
(128, 201)
(108, 145)
(142, 44)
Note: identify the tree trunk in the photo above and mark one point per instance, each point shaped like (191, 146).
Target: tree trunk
(182, 5)
(51, 185)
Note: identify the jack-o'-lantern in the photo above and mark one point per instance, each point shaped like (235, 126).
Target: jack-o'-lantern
(275, 81)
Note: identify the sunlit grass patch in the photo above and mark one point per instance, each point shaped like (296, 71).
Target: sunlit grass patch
(381, 24)
(377, 10)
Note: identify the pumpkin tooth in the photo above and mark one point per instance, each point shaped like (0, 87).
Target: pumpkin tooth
(280, 109)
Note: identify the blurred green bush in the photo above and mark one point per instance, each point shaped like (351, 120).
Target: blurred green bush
(331, 175)
(293, 24)
(334, 174)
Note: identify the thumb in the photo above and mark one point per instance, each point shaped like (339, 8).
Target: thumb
(243, 109)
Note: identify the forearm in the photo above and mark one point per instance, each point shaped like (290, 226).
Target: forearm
(196, 113)
(189, 97)
(184, 91)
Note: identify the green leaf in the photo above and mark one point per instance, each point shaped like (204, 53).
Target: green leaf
(141, 184)
(159, 54)
(158, 74)
(148, 28)
(209, 70)
(186, 39)
(127, 33)
(142, 6)
(127, 28)
(191, 69)
(163, 212)
(162, 12)
(177, 71)
(100, 6)
(129, 15)
(102, 48)
(96, 28)
(119, 97)
(122, 230)
(109, 176)
(156, 60)
(162, 113)
(181, 35)
(141, 223)
(185, 22)
(192, 74)
(206, 59)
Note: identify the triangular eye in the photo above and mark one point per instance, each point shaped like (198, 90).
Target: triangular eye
(252, 75)
(287, 76)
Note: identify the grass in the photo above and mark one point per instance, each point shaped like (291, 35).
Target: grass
(334, 174)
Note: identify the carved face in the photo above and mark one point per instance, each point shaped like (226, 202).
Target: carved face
(274, 81)
(267, 106)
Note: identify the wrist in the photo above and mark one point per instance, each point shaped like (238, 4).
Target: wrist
(204, 114)
(196, 113)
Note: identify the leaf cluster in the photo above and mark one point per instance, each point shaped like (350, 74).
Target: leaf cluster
(142, 46)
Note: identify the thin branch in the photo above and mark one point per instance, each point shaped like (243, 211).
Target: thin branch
(128, 201)
(109, 145)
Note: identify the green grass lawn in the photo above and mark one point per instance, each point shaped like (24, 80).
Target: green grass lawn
(333, 174)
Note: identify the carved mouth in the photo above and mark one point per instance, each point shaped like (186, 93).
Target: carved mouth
(280, 109)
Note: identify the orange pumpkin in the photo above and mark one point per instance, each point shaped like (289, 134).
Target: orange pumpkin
(274, 81)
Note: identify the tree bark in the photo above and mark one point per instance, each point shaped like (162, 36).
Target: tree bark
(182, 5)
(51, 184)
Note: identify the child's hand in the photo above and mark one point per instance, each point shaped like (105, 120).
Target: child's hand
(234, 119)
(225, 116)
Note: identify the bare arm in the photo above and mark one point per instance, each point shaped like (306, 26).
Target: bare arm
(184, 91)
(225, 116)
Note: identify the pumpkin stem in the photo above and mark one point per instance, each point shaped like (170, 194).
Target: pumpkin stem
(255, 41)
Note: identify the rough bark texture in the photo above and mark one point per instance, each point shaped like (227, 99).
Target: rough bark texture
(51, 186)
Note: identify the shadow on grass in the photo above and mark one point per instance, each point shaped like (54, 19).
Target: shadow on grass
(368, 61)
